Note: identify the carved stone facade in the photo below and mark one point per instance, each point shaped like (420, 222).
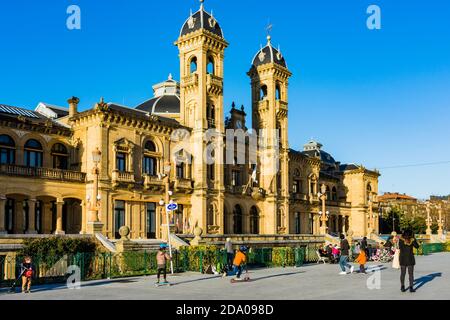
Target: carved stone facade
(49, 176)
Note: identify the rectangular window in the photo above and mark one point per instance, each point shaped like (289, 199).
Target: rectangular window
(119, 216)
(211, 173)
(9, 215)
(6, 156)
(180, 170)
(33, 158)
(149, 166)
(151, 220)
(121, 162)
(236, 178)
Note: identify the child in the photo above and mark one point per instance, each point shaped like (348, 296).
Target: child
(161, 259)
(361, 259)
(335, 252)
(239, 260)
(26, 270)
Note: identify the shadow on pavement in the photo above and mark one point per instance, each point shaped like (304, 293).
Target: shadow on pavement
(276, 275)
(425, 279)
(194, 280)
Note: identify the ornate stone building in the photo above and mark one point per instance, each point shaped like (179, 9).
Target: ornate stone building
(67, 171)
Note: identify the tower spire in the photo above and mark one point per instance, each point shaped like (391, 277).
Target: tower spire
(269, 31)
(201, 4)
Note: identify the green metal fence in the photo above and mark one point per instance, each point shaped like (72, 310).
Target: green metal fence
(94, 266)
(429, 248)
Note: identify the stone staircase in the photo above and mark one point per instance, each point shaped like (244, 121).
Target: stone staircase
(142, 245)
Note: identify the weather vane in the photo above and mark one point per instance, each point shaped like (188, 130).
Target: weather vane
(269, 28)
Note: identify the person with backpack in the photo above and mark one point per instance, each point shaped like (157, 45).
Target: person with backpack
(161, 260)
(27, 272)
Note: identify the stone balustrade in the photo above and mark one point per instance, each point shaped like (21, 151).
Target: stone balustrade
(46, 173)
(122, 176)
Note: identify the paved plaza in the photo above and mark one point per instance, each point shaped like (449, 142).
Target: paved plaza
(307, 282)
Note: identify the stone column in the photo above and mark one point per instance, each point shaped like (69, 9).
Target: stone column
(2, 214)
(47, 218)
(59, 217)
(31, 216)
(83, 217)
(18, 221)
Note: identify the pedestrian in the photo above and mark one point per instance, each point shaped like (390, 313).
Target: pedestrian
(161, 260)
(361, 260)
(364, 247)
(239, 261)
(27, 271)
(406, 244)
(335, 252)
(230, 253)
(396, 258)
(343, 260)
(330, 256)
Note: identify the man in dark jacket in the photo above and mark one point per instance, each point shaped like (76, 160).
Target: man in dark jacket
(407, 243)
(343, 260)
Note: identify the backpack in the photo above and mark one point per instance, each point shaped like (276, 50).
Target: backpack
(28, 273)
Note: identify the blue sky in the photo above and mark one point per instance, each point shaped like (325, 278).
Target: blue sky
(380, 98)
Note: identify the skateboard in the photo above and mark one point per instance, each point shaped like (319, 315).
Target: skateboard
(162, 284)
(245, 279)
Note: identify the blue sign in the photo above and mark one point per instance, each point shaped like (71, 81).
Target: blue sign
(172, 207)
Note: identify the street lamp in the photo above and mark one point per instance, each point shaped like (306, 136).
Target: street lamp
(429, 221)
(440, 222)
(163, 203)
(324, 218)
(93, 202)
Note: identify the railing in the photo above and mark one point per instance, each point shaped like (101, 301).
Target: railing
(299, 196)
(46, 173)
(212, 80)
(190, 80)
(152, 182)
(234, 189)
(94, 266)
(122, 176)
(181, 183)
(428, 248)
(338, 203)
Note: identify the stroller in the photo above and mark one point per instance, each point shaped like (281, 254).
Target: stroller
(383, 256)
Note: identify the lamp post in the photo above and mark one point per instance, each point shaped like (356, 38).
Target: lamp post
(428, 220)
(370, 216)
(324, 218)
(163, 203)
(440, 222)
(93, 204)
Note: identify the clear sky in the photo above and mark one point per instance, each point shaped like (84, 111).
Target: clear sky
(381, 98)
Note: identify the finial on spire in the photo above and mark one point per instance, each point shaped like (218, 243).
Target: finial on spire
(269, 31)
(170, 76)
(233, 105)
(201, 4)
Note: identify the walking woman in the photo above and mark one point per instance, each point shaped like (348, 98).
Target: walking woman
(407, 243)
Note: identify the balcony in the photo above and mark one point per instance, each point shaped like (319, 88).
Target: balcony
(153, 183)
(122, 177)
(190, 80)
(45, 173)
(214, 84)
(334, 203)
(234, 189)
(183, 185)
(281, 108)
(299, 197)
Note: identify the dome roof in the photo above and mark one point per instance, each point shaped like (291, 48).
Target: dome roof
(201, 20)
(166, 98)
(163, 104)
(269, 54)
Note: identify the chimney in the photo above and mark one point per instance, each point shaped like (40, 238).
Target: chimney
(73, 106)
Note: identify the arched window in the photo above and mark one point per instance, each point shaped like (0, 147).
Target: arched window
(369, 192)
(254, 220)
(210, 68)
(211, 115)
(149, 165)
(328, 193)
(278, 92)
(263, 92)
(297, 223)
(33, 153)
(7, 149)
(237, 219)
(334, 196)
(193, 65)
(60, 156)
(150, 146)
